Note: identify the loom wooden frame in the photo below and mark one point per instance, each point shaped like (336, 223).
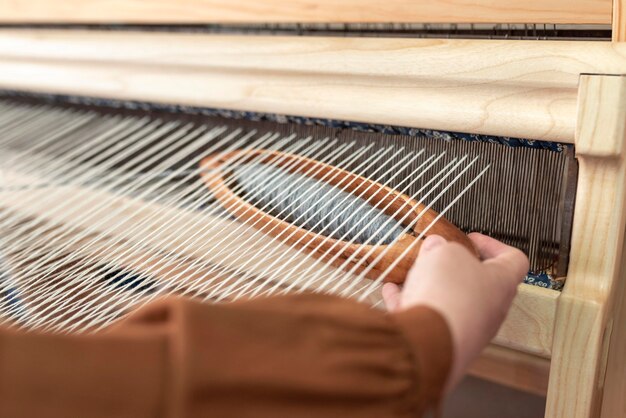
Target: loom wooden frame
(564, 91)
(262, 11)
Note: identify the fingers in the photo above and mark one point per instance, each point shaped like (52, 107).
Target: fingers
(487, 247)
(505, 261)
(511, 265)
(391, 296)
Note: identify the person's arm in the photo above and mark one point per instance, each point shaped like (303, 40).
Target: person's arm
(293, 356)
(299, 355)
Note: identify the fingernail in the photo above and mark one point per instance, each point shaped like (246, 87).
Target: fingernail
(432, 242)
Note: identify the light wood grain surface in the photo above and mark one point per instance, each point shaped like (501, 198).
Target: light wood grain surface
(530, 322)
(601, 132)
(512, 368)
(614, 378)
(586, 307)
(520, 89)
(262, 11)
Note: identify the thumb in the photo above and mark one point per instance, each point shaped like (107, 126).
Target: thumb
(430, 243)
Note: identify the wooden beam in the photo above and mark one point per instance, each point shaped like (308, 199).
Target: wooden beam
(593, 288)
(512, 368)
(264, 11)
(518, 89)
(614, 356)
(529, 326)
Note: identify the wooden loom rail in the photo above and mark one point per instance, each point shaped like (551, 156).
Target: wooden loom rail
(509, 88)
(324, 11)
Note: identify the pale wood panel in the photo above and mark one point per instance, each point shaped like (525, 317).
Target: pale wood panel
(523, 63)
(513, 369)
(530, 322)
(600, 133)
(614, 379)
(542, 113)
(260, 11)
(586, 306)
(520, 89)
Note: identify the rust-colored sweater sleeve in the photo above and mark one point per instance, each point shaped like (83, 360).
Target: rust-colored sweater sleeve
(291, 356)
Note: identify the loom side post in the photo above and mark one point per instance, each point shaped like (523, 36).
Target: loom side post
(584, 376)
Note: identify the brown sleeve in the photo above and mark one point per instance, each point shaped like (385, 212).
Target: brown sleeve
(299, 355)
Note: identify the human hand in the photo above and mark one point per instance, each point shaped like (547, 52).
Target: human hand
(473, 295)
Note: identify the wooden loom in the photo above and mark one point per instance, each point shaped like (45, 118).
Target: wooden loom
(570, 344)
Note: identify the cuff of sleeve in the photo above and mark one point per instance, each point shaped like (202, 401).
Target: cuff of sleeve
(431, 343)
